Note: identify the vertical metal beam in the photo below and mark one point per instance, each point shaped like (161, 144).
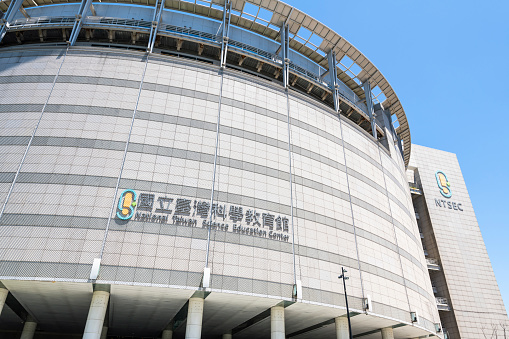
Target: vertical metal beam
(333, 75)
(158, 11)
(226, 31)
(285, 53)
(14, 7)
(387, 121)
(78, 22)
(400, 145)
(25, 14)
(369, 103)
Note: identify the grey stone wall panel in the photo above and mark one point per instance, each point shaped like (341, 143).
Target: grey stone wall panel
(74, 161)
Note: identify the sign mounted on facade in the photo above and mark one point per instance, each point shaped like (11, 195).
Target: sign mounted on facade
(443, 184)
(179, 211)
(445, 189)
(126, 204)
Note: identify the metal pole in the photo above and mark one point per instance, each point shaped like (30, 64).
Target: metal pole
(218, 129)
(343, 271)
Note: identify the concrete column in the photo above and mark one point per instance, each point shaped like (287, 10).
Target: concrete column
(96, 313)
(277, 322)
(227, 336)
(167, 334)
(342, 328)
(387, 333)
(194, 318)
(29, 328)
(104, 332)
(3, 296)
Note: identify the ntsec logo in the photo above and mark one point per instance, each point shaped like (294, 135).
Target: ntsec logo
(443, 184)
(126, 204)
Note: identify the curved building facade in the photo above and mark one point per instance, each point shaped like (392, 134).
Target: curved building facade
(201, 168)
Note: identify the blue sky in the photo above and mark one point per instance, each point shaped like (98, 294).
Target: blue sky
(448, 63)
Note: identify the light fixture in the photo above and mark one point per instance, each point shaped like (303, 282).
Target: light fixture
(367, 303)
(414, 316)
(438, 327)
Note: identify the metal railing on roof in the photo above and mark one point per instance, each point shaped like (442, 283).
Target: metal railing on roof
(144, 26)
(189, 33)
(116, 22)
(329, 39)
(301, 70)
(353, 99)
(237, 45)
(33, 23)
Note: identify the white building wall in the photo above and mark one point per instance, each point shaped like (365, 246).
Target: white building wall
(470, 283)
(343, 215)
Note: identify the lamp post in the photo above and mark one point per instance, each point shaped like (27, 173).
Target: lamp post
(342, 276)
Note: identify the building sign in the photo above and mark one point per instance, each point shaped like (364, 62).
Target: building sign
(445, 189)
(179, 211)
(126, 204)
(443, 184)
(449, 204)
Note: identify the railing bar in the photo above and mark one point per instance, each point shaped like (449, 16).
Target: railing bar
(52, 21)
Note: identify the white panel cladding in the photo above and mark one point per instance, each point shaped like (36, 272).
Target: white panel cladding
(459, 246)
(171, 153)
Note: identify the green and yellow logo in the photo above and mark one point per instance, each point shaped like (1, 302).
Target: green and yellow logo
(126, 204)
(443, 184)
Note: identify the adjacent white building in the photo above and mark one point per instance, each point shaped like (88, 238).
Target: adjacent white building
(463, 281)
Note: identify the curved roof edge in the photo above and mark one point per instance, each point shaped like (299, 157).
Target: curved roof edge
(333, 41)
(296, 19)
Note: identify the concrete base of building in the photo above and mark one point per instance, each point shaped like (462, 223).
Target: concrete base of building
(96, 314)
(277, 322)
(342, 331)
(148, 311)
(387, 333)
(194, 318)
(167, 334)
(29, 329)
(3, 295)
